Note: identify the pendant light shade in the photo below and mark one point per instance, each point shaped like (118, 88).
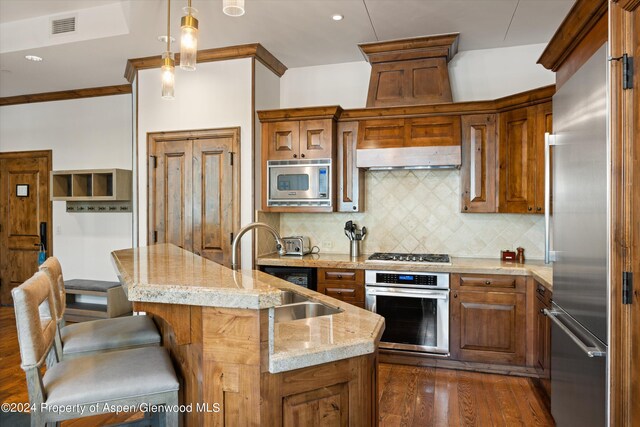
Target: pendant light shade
(233, 7)
(168, 75)
(189, 39)
(168, 63)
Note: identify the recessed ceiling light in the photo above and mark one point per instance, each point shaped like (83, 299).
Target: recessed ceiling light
(33, 58)
(337, 17)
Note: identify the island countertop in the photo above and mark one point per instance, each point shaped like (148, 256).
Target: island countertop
(166, 274)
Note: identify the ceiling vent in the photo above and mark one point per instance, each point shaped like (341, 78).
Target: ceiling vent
(63, 25)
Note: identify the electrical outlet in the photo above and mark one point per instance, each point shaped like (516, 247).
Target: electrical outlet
(327, 244)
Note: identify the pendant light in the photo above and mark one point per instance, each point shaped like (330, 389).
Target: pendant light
(168, 63)
(189, 39)
(233, 7)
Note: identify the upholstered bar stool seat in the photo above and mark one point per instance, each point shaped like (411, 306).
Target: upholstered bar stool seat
(108, 334)
(88, 385)
(95, 336)
(125, 374)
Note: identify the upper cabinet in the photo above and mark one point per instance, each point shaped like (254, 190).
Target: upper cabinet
(479, 168)
(350, 177)
(300, 139)
(521, 159)
(300, 136)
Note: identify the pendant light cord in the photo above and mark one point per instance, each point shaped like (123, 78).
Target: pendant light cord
(168, 25)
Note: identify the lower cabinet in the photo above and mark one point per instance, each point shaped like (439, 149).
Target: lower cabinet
(343, 284)
(488, 319)
(542, 336)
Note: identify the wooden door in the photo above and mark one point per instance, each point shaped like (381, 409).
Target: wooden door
(194, 190)
(25, 204)
(517, 188)
(479, 169)
(316, 139)
(171, 218)
(350, 177)
(213, 202)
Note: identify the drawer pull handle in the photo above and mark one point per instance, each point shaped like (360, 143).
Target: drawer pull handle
(339, 276)
(488, 282)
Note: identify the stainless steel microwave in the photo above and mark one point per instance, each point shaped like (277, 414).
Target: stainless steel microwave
(299, 182)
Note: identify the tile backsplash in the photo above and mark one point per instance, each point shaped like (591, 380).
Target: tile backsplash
(419, 211)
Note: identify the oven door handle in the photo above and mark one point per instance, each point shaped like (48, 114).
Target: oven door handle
(406, 293)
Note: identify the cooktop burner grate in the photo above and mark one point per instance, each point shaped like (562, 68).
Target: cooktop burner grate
(418, 258)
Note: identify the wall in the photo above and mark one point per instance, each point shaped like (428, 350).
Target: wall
(217, 95)
(83, 133)
(475, 75)
(419, 212)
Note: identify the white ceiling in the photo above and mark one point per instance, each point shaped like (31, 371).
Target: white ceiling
(298, 32)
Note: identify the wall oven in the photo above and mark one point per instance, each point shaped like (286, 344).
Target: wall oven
(415, 306)
(299, 182)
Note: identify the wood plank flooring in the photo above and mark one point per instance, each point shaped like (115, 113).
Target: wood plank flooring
(409, 395)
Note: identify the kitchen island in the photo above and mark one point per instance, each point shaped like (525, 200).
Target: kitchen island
(241, 364)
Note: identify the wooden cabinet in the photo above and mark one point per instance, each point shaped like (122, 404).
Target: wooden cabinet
(343, 284)
(350, 178)
(542, 336)
(521, 159)
(488, 319)
(478, 171)
(440, 131)
(300, 139)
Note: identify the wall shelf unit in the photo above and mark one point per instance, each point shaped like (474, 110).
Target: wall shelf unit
(92, 190)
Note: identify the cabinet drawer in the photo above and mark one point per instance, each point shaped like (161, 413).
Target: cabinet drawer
(351, 293)
(340, 276)
(474, 281)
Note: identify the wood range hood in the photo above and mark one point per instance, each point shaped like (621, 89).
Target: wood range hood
(403, 73)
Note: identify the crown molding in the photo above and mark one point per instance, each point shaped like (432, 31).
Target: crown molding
(254, 50)
(66, 94)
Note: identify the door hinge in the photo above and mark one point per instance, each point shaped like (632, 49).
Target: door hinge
(155, 236)
(155, 161)
(231, 158)
(627, 70)
(230, 237)
(627, 287)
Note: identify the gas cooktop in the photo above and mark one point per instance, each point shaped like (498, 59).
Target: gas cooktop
(440, 259)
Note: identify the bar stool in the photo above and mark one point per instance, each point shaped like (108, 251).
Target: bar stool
(89, 385)
(95, 336)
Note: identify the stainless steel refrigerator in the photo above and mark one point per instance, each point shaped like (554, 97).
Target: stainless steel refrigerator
(579, 235)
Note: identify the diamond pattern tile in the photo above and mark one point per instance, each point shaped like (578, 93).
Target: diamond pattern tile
(419, 211)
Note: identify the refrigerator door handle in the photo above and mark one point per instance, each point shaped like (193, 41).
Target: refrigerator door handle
(548, 142)
(591, 351)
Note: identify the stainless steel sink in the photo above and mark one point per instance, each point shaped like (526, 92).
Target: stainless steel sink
(303, 310)
(290, 297)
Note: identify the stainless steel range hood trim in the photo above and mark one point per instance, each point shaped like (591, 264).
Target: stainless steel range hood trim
(443, 157)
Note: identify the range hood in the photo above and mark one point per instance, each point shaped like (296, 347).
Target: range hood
(409, 158)
(410, 72)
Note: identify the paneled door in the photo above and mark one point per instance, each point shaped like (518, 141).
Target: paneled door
(24, 207)
(194, 190)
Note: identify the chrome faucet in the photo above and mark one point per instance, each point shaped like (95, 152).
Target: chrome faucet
(243, 230)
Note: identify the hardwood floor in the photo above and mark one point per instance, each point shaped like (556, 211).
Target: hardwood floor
(409, 395)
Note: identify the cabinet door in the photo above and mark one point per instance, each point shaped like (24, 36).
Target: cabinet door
(381, 133)
(326, 406)
(283, 140)
(439, 131)
(488, 327)
(315, 139)
(479, 169)
(350, 178)
(517, 161)
(544, 119)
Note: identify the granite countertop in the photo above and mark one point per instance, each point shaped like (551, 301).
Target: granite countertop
(537, 269)
(167, 274)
